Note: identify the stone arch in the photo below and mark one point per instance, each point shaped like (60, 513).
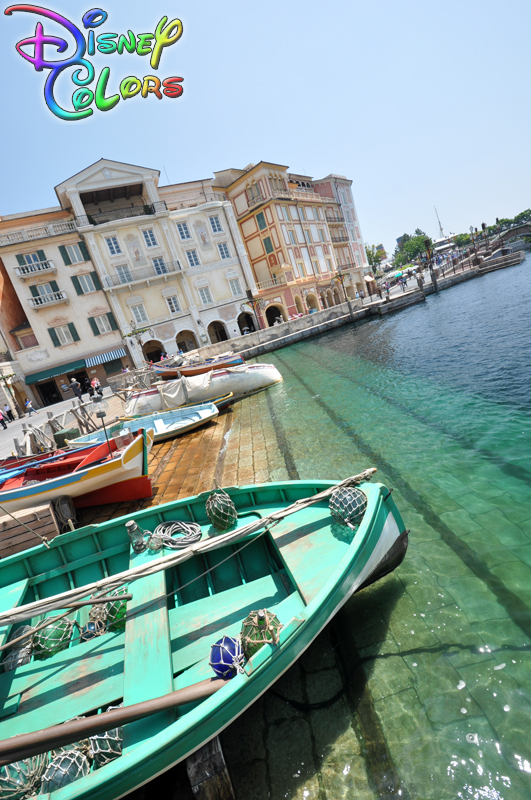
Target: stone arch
(186, 341)
(246, 320)
(273, 312)
(312, 302)
(329, 298)
(153, 349)
(337, 298)
(217, 332)
(299, 305)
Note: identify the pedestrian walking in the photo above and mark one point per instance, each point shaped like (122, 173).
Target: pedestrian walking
(29, 408)
(96, 385)
(2, 421)
(8, 413)
(76, 388)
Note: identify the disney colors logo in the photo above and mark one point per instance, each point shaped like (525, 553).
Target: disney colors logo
(166, 33)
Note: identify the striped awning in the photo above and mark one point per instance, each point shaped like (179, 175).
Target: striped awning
(112, 355)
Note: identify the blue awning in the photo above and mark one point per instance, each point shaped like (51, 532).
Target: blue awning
(104, 357)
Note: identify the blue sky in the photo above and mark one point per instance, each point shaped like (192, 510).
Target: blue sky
(420, 103)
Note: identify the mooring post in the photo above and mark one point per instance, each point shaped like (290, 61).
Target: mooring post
(208, 774)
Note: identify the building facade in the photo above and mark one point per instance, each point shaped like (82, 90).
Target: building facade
(305, 254)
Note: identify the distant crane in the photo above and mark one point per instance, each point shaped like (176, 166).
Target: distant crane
(440, 226)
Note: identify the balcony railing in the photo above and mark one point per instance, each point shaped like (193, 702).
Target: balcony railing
(253, 201)
(30, 234)
(334, 219)
(48, 299)
(37, 268)
(341, 238)
(125, 275)
(112, 214)
(271, 283)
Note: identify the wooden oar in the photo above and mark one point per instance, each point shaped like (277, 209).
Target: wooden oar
(26, 745)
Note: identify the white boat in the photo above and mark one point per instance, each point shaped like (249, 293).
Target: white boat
(241, 381)
(166, 425)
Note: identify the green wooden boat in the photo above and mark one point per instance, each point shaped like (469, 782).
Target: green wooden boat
(300, 564)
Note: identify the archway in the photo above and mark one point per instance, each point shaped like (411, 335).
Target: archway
(273, 313)
(217, 332)
(337, 298)
(298, 305)
(152, 350)
(350, 292)
(186, 341)
(329, 298)
(311, 302)
(246, 321)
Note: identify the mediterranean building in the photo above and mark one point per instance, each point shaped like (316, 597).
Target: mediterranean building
(302, 237)
(170, 260)
(55, 318)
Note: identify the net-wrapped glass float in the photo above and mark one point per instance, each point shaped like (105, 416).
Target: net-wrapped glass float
(107, 746)
(22, 778)
(226, 657)
(258, 628)
(20, 652)
(92, 629)
(221, 511)
(67, 766)
(347, 505)
(52, 639)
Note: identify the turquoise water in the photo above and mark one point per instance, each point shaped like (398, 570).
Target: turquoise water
(438, 398)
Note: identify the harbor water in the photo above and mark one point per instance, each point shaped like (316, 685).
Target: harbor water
(438, 398)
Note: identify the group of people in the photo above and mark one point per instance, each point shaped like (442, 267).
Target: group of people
(93, 387)
(6, 414)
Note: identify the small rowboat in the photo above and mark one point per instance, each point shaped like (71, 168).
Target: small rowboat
(284, 553)
(166, 425)
(169, 372)
(93, 475)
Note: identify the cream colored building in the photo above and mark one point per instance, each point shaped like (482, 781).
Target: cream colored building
(170, 260)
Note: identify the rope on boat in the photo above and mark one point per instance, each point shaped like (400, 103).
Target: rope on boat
(60, 601)
(43, 539)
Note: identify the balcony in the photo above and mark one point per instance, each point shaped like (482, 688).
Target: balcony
(339, 238)
(51, 299)
(253, 201)
(38, 268)
(271, 283)
(43, 231)
(334, 219)
(126, 276)
(125, 212)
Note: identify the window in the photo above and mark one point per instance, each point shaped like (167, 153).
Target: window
(307, 236)
(315, 267)
(215, 225)
(348, 215)
(301, 213)
(102, 323)
(149, 238)
(44, 289)
(160, 266)
(260, 218)
(358, 259)
(205, 295)
(139, 313)
(223, 250)
(31, 258)
(309, 213)
(254, 193)
(329, 265)
(184, 233)
(321, 235)
(86, 283)
(64, 334)
(318, 213)
(286, 214)
(291, 235)
(124, 274)
(268, 245)
(113, 245)
(192, 257)
(173, 304)
(235, 287)
(74, 253)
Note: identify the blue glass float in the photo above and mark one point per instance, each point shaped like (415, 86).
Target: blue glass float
(226, 657)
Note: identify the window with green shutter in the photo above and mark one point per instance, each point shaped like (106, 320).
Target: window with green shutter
(268, 244)
(94, 326)
(84, 250)
(64, 255)
(41, 255)
(54, 286)
(74, 333)
(95, 278)
(260, 218)
(54, 337)
(112, 321)
(77, 285)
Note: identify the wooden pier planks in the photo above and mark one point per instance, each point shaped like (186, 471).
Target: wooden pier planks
(14, 537)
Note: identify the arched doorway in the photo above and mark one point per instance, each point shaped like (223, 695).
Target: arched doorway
(273, 313)
(217, 332)
(298, 305)
(350, 292)
(246, 321)
(311, 302)
(330, 298)
(152, 350)
(186, 341)
(337, 298)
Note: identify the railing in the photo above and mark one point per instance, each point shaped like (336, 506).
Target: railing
(29, 234)
(334, 219)
(253, 201)
(101, 217)
(133, 275)
(37, 267)
(341, 238)
(48, 299)
(261, 285)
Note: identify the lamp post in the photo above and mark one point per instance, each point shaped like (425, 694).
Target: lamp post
(429, 257)
(485, 236)
(136, 334)
(474, 241)
(341, 277)
(254, 303)
(99, 408)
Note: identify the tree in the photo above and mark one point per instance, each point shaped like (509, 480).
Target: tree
(373, 257)
(410, 248)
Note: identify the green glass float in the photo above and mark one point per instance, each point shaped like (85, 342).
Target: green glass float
(20, 653)
(22, 778)
(67, 767)
(258, 628)
(105, 747)
(220, 510)
(347, 505)
(113, 613)
(52, 639)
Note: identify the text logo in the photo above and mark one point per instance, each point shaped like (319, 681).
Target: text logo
(93, 92)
